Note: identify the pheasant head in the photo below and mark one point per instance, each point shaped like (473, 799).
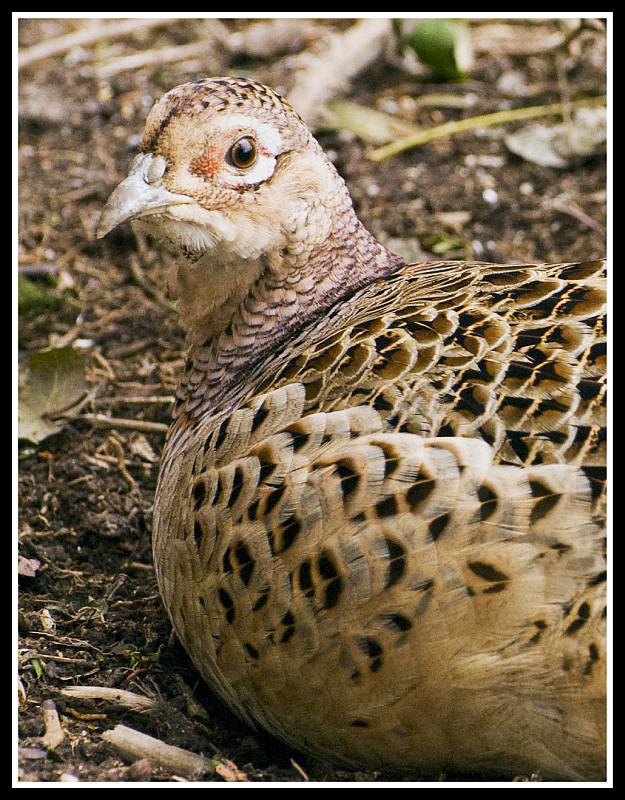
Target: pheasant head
(229, 175)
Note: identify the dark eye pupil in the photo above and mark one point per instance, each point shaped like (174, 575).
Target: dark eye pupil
(243, 153)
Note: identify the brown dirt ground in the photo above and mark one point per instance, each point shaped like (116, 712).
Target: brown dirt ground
(88, 521)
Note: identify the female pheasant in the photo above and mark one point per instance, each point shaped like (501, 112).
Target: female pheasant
(379, 520)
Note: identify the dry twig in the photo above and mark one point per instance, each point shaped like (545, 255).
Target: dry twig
(116, 697)
(564, 205)
(121, 463)
(102, 421)
(54, 734)
(299, 770)
(203, 49)
(524, 39)
(86, 36)
(267, 38)
(139, 275)
(133, 745)
(329, 72)
(123, 400)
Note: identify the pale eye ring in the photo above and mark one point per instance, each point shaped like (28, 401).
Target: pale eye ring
(243, 154)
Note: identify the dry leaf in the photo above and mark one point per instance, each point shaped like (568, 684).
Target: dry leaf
(53, 389)
(139, 446)
(229, 771)
(27, 567)
(561, 145)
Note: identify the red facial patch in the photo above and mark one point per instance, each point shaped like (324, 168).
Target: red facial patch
(208, 164)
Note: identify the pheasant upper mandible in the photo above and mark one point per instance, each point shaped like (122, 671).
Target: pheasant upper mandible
(379, 521)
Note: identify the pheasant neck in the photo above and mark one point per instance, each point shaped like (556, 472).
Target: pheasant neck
(288, 287)
(272, 299)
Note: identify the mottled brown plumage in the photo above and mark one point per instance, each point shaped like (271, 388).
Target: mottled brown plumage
(379, 523)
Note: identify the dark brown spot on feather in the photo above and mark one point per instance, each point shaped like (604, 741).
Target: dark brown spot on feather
(575, 626)
(386, 507)
(199, 495)
(274, 498)
(437, 526)
(381, 404)
(326, 566)
(290, 529)
(487, 571)
(488, 500)
(349, 477)
(223, 429)
(245, 561)
(546, 501)
(300, 440)
(237, 485)
(419, 492)
(370, 646)
(397, 562)
(218, 491)
(332, 592)
(259, 417)
(227, 602)
(287, 634)
(600, 577)
(398, 622)
(305, 576)
(262, 600)
(495, 588)
(197, 534)
(252, 511)
(251, 650)
(266, 470)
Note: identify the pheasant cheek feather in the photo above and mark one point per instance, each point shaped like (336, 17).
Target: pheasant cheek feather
(208, 164)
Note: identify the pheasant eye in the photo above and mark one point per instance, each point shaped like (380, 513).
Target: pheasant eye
(243, 153)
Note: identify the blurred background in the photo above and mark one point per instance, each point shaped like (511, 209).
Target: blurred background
(459, 139)
(516, 188)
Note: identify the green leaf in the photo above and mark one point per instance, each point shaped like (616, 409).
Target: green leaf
(26, 452)
(439, 244)
(53, 389)
(37, 667)
(444, 45)
(32, 297)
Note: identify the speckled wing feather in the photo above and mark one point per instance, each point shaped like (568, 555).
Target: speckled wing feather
(399, 517)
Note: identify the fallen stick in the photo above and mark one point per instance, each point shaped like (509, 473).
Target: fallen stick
(150, 58)
(164, 399)
(117, 697)
(134, 745)
(86, 36)
(54, 734)
(329, 72)
(102, 421)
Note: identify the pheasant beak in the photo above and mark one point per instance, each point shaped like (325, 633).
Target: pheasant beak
(139, 195)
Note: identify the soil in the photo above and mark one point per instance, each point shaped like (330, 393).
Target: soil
(90, 614)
